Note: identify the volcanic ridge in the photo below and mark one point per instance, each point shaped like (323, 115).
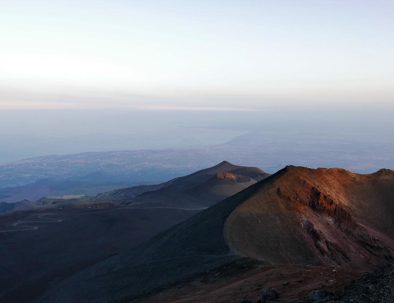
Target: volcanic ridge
(297, 217)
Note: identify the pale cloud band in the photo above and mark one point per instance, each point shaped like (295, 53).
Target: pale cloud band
(188, 55)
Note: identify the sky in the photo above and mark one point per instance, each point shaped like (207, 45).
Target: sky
(196, 55)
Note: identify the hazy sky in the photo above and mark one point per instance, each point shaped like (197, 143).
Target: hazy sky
(195, 54)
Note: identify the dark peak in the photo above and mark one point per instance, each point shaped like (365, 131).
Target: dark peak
(385, 172)
(290, 168)
(296, 168)
(225, 163)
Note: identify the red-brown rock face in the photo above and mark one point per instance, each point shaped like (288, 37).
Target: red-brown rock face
(305, 216)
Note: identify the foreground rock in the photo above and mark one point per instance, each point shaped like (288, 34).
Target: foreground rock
(268, 294)
(377, 287)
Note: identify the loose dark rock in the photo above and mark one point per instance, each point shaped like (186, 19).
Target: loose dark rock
(320, 295)
(269, 294)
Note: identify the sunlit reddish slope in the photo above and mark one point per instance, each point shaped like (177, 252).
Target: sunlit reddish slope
(308, 216)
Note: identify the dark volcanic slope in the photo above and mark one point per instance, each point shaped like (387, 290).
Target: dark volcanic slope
(43, 246)
(297, 216)
(48, 246)
(196, 191)
(201, 189)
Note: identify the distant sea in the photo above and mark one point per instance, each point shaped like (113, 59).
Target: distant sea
(359, 139)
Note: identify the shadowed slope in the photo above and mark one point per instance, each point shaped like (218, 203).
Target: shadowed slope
(183, 251)
(36, 251)
(201, 189)
(195, 191)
